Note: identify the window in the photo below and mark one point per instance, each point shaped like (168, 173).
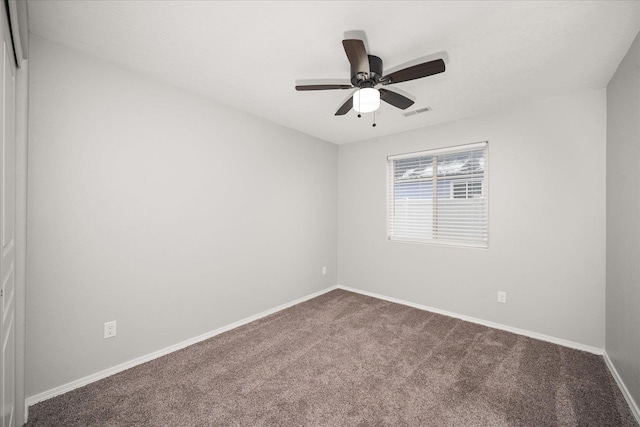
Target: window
(440, 196)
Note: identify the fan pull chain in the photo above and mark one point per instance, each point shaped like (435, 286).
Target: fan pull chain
(374, 119)
(359, 109)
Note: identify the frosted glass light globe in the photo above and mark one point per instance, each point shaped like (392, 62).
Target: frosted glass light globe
(366, 100)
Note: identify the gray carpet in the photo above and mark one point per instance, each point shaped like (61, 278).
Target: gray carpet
(344, 359)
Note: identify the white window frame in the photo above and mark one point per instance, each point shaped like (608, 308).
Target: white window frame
(483, 242)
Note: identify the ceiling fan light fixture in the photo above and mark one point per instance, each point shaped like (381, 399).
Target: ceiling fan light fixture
(366, 100)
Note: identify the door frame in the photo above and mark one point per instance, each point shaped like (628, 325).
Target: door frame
(14, 16)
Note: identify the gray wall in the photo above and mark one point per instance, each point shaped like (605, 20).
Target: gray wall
(623, 220)
(546, 221)
(153, 207)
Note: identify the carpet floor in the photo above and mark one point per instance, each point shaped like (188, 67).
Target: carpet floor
(344, 359)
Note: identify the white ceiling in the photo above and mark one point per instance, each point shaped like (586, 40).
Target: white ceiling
(249, 55)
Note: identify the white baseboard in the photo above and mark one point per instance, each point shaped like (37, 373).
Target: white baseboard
(494, 325)
(32, 400)
(623, 388)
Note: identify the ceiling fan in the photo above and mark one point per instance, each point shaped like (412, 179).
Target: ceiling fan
(366, 74)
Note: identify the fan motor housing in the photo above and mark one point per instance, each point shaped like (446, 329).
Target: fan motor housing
(375, 72)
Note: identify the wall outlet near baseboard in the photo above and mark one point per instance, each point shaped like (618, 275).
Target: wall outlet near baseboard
(110, 329)
(324, 270)
(502, 297)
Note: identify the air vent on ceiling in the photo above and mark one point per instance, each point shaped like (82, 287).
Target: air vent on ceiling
(418, 111)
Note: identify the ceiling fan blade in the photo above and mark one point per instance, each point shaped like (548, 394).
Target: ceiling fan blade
(346, 107)
(323, 87)
(395, 99)
(415, 72)
(357, 55)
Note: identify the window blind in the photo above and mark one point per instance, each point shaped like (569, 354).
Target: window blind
(440, 196)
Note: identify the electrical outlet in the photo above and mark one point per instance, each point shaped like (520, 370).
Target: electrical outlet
(110, 329)
(502, 297)
(324, 271)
